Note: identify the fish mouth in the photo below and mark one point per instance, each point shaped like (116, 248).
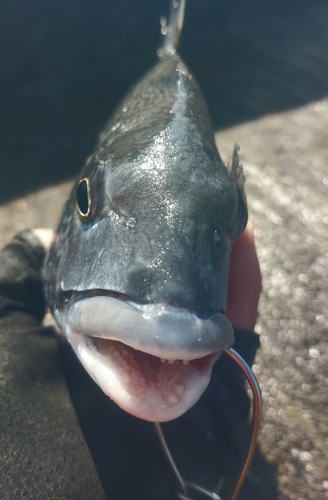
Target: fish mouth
(153, 360)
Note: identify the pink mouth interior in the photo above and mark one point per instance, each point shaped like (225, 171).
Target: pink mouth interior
(151, 388)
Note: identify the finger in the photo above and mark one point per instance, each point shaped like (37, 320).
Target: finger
(45, 236)
(244, 286)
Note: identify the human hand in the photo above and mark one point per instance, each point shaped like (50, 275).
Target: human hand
(244, 286)
(45, 236)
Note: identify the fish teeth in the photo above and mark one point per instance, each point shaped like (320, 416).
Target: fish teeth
(171, 361)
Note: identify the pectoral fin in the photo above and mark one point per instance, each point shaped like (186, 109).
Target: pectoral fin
(236, 170)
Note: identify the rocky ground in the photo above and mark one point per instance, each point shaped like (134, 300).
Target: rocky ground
(284, 148)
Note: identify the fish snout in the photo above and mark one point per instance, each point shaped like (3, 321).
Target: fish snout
(183, 283)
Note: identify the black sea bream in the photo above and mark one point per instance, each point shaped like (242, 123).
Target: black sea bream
(137, 275)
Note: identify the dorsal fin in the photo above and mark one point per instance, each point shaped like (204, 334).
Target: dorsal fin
(172, 29)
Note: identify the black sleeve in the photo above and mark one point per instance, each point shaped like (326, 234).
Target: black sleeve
(21, 286)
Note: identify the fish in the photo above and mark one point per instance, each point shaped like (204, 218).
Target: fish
(137, 275)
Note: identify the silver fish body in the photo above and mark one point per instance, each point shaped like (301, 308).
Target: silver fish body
(139, 267)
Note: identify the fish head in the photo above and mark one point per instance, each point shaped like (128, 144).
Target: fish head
(137, 275)
(141, 264)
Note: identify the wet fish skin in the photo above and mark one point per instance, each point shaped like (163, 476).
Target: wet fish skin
(163, 204)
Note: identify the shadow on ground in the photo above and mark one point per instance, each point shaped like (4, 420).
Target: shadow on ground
(66, 64)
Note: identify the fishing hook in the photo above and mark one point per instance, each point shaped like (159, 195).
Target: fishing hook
(186, 486)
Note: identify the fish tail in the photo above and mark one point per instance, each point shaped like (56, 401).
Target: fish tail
(172, 29)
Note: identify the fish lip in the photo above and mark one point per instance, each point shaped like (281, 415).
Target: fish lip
(159, 329)
(66, 297)
(151, 389)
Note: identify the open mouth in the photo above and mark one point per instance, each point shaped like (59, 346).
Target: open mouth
(154, 361)
(146, 386)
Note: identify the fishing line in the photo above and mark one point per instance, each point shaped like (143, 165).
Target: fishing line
(186, 486)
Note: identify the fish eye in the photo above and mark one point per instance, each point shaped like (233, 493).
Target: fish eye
(83, 198)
